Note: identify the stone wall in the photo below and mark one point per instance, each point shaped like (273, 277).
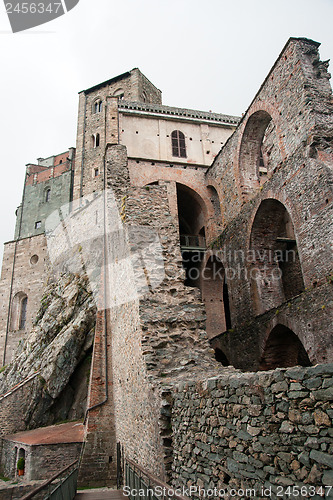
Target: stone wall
(254, 430)
(151, 333)
(35, 207)
(41, 461)
(15, 404)
(29, 274)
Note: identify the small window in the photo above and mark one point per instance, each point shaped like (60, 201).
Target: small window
(178, 144)
(96, 172)
(47, 195)
(95, 140)
(38, 224)
(23, 314)
(97, 106)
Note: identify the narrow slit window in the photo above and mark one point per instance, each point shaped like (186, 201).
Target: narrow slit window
(23, 314)
(178, 144)
(47, 195)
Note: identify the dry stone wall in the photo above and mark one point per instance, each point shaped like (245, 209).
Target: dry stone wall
(267, 430)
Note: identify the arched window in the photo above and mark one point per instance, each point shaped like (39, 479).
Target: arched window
(47, 195)
(19, 311)
(119, 93)
(178, 144)
(97, 107)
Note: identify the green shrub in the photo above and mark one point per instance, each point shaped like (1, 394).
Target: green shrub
(20, 463)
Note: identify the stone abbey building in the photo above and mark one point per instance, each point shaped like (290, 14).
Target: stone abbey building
(242, 212)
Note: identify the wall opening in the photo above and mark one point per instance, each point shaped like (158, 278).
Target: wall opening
(221, 357)
(215, 296)
(47, 195)
(254, 152)
(20, 455)
(192, 221)
(283, 349)
(19, 311)
(276, 273)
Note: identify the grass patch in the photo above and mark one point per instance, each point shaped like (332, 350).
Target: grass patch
(3, 478)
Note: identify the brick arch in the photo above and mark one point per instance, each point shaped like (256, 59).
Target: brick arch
(283, 349)
(251, 135)
(274, 267)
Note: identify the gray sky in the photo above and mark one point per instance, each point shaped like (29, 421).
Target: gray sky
(206, 55)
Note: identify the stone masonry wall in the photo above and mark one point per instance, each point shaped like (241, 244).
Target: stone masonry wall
(28, 277)
(14, 406)
(254, 430)
(41, 461)
(154, 330)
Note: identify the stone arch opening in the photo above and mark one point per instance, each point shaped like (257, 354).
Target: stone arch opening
(19, 311)
(253, 154)
(283, 349)
(276, 272)
(192, 223)
(215, 296)
(21, 455)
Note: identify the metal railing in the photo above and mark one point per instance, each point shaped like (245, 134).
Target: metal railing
(192, 242)
(62, 486)
(138, 480)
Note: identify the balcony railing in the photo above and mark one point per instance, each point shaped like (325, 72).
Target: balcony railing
(192, 242)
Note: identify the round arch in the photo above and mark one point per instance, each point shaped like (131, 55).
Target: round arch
(250, 152)
(274, 266)
(283, 349)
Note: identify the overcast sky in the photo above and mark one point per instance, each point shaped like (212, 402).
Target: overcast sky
(202, 54)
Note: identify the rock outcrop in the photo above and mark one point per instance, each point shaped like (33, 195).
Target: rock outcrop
(59, 349)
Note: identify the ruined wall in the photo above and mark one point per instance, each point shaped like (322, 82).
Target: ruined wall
(254, 430)
(296, 96)
(294, 107)
(29, 274)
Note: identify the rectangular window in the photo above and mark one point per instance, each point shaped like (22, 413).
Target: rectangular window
(38, 224)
